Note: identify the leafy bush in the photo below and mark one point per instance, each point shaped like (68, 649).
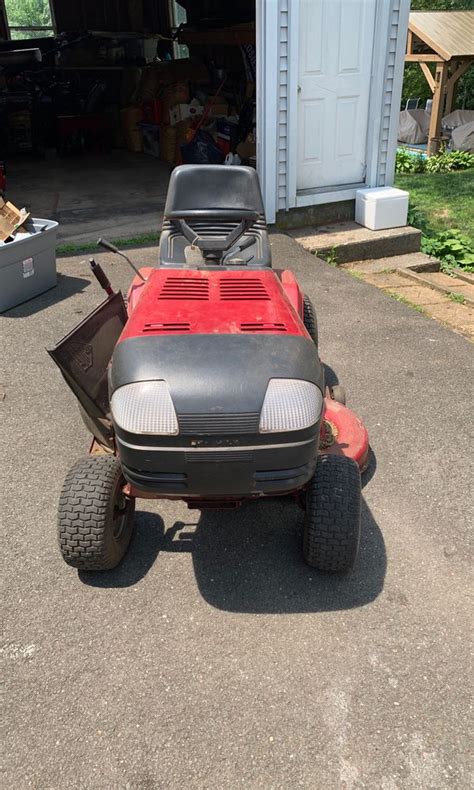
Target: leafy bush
(406, 162)
(445, 162)
(451, 248)
(448, 161)
(416, 218)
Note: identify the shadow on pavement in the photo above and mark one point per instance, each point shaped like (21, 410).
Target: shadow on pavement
(330, 376)
(66, 287)
(249, 560)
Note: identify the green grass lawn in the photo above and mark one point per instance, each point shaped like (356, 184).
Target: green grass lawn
(446, 199)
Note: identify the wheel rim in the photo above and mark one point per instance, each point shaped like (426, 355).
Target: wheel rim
(120, 514)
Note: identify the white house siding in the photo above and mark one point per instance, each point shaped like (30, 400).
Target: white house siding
(283, 25)
(277, 21)
(398, 24)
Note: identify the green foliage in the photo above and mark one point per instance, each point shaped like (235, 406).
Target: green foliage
(459, 298)
(452, 248)
(409, 163)
(448, 161)
(445, 162)
(26, 13)
(415, 85)
(144, 240)
(330, 257)
(416, 218)
(441, 5)
(399, 298)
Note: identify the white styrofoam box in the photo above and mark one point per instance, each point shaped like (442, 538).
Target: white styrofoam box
(381, 207)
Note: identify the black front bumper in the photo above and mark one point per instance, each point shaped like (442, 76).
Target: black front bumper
(239, 472)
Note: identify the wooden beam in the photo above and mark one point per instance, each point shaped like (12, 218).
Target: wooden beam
(422, 35)
(461, 69)
(409, 43)
(437, 107)
(422, 57)
(429, 77)
(450, 86)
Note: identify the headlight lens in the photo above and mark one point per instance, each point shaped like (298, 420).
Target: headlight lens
(144, 407)
(290, 405)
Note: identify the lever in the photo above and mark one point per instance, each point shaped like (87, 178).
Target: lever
(111, 248)
(101, 276)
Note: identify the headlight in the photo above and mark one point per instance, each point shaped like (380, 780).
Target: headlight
(290, 405)
(144, 407)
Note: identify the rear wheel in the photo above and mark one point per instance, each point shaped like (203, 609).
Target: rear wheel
(310, 320)
(332, 518)
(95, 518)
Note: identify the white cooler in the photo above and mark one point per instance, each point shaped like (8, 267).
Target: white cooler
(381, 207)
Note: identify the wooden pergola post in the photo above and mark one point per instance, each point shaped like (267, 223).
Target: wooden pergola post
(434, 133)
(450, 87)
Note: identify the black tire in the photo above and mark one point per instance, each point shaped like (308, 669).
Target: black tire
(310, 320)
(95, 519)
(338, 394)
(332, 519)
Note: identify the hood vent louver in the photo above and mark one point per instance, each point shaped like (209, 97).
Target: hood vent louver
(263, 327)
(167, 327)
(242, 289)
(193, 288)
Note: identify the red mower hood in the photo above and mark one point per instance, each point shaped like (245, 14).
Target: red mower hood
(187, 301)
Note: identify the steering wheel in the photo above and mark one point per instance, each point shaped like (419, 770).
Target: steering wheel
(213, 246)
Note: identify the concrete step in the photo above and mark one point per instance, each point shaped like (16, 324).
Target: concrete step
(443, 283)
(348, 241)
(416, 261)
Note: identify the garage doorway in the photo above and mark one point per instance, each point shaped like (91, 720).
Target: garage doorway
(123, 93)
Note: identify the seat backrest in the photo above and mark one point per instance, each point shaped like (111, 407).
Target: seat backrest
(213, 187)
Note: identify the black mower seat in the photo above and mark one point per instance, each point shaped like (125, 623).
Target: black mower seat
(213, 200)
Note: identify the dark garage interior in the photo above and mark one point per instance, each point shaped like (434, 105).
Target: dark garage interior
(100, 101)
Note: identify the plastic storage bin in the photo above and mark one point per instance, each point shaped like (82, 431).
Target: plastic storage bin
(381, 207)
(28, 264)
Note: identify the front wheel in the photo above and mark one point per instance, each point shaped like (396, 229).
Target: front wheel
(332, 518)
(95, 518)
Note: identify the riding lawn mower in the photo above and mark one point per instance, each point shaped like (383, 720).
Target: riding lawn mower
(206, 385)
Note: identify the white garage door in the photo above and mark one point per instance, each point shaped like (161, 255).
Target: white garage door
(336, 39)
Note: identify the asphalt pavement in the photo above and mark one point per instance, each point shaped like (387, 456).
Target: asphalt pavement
(213, 657)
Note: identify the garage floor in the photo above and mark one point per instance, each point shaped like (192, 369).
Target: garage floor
(118, 195)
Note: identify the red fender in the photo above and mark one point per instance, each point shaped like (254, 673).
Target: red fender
(292, 290)
(343, 433)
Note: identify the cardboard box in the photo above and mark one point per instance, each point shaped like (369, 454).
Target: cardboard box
(247, 148)
(182, 112)
(11, 218)
(217, 106)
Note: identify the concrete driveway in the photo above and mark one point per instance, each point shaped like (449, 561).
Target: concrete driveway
(213, 657)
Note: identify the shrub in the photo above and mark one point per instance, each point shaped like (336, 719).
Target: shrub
(451, 248)
(406, 162)
(416, 218)
(448, 161)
